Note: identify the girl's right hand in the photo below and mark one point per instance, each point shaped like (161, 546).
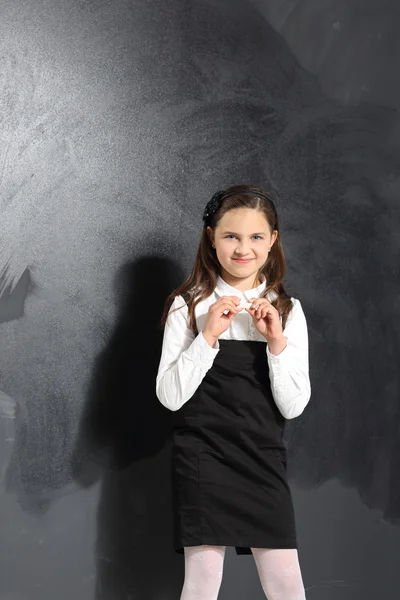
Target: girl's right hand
(217, 322)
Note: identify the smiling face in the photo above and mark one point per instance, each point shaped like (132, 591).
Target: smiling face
(242, 239)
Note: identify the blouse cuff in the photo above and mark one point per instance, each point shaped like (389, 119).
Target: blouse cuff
(277, 359)
(201, 352)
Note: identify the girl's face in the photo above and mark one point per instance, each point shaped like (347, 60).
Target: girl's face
(244, 234)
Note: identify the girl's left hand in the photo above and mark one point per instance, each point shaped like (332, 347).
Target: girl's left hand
(266, 319)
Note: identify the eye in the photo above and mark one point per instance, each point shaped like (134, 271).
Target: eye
(230, 235)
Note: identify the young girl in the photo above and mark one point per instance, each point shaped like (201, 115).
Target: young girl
(234, 366)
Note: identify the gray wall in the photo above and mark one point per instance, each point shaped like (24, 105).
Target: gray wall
(119, 119)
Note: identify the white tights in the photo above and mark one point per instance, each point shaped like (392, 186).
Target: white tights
(278, 569)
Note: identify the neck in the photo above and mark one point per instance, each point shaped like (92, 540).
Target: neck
(241, 283)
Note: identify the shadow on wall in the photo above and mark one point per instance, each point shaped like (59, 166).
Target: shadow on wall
(335, 167)
(124, 442)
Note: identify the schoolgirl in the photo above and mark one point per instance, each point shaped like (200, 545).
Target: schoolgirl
(234, 367)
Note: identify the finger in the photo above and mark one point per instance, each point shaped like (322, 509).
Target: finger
(262, 301)
(254, 302)
(224, 301)
(258, 310)
(232, 300)
(229, 303)
(228, 306)
(229, 312)
(256, 306)
(235, 299)
(251, 310)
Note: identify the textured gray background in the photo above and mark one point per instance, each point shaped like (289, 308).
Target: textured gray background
(119, 119)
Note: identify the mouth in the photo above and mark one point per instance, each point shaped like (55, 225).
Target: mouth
(242, 261)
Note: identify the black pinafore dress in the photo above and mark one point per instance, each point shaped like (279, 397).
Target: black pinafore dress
(229, 460)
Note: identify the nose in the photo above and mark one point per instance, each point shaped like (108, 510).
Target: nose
(241, 250)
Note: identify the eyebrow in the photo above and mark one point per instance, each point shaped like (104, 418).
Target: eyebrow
(233, 233)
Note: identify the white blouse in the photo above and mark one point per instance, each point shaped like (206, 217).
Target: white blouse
(186, 358)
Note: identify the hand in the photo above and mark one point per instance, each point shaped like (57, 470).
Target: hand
(217, 322)
(266, 320)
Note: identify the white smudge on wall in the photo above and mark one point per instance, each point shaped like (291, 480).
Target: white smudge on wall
(8, 413)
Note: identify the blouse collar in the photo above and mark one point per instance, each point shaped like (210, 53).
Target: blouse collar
(224, 289)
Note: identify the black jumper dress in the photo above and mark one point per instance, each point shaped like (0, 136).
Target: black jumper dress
(229, 460)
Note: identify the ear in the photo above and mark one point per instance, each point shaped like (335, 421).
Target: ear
(274, 235)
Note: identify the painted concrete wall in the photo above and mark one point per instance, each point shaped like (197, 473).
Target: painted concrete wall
(119, 119)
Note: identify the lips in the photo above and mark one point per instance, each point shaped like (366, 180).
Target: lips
(242, 261)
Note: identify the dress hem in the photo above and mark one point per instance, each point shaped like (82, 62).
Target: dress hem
(240, 547)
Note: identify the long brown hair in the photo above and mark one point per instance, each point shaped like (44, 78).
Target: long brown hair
(202, 280)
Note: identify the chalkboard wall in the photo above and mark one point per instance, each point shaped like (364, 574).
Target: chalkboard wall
(119, 119)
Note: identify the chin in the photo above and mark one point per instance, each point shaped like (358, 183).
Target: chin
(242, 271)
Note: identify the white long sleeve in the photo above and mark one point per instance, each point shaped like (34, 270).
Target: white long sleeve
(289, 370)
(185, 359)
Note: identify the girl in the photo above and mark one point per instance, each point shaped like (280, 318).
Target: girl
(234, 366)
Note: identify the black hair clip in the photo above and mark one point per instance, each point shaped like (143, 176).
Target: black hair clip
(212, 206)
(215, 202)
